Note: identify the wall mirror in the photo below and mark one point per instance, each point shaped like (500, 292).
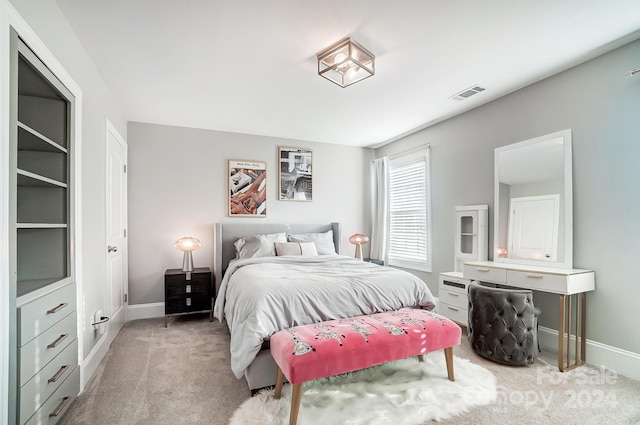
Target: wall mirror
(533, 210)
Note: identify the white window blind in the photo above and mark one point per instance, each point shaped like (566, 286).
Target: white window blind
(409, 211)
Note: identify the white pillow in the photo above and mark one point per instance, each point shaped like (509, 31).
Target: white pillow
(294, 248)
(323, 241)
(258, 245)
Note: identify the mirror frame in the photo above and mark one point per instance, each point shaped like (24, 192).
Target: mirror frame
(567, 258)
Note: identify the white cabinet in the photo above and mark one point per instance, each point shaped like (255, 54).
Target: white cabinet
(471, 243)
(44, 371)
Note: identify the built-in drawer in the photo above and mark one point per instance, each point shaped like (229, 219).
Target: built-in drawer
(454, 298)
(58, 403)
(485, 274)
(457, 314)
(35, 392)
(42, 349)
(537, 281)
(39, 315)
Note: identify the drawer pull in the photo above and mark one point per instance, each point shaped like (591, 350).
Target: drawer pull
(535, 276)
(453, 294)
(483, 270)
(57, 376)
(188, 289)
(57, 309)
(452, 308)
(188, 301)
(61, 406)
(57, 342)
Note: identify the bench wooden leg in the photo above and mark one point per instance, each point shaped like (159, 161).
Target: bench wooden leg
(448, 355)
(279, 380)
(421, 358)
(295, 403)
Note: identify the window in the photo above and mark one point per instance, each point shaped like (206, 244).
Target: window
(410, 211)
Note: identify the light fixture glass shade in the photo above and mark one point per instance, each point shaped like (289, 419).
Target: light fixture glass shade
(358, 240)
(187, 245)
(345, 63)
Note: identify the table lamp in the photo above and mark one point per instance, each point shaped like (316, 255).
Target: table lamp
(187, 245)
(358, 240)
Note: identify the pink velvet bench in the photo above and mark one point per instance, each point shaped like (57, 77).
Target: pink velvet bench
(320, 350)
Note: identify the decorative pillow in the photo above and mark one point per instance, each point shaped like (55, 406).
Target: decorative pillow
(258, 245)
(294, 248)
(323, 241)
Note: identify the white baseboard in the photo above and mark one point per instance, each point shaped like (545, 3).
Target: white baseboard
(91, 363)
(145, 311)
(621, 361)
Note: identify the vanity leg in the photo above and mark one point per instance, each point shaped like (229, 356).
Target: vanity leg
(561, 334)
(581, 331)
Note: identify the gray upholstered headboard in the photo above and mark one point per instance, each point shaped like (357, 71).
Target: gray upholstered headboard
(225, 234)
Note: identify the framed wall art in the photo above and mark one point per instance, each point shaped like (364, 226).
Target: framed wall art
(295, 174)
(247, 188)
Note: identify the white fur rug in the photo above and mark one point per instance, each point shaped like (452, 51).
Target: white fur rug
(404, 392)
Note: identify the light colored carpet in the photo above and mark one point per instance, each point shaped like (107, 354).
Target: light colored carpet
(405, 392)
(181, 375)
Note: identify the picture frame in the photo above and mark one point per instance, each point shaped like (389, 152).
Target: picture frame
(295, 174)
(247, 188)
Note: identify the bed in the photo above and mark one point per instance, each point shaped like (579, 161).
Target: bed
(262, 293)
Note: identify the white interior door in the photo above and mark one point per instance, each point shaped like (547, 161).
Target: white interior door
(533, 232)
(116, 248)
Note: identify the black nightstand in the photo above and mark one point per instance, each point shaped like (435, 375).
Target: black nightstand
(374, 261)
(188, 292)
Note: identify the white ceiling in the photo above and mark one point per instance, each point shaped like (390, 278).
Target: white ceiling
(249, 66)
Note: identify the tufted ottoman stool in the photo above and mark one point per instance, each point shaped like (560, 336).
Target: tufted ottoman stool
(503, 324)
(319, 350)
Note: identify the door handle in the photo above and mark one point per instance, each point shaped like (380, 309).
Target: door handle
(112, 248)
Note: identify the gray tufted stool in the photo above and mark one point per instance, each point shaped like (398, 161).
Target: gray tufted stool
(503, 324)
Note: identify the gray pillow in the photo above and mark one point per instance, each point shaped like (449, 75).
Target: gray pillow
(323, 241)
(258, 245)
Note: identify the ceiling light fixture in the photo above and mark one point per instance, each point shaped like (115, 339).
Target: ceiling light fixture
(345, 63)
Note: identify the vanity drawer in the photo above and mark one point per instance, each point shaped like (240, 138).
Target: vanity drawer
(34, 393)
(454, 298)
(42, 349)
(537, 281)
(457, 314)
(53, 409)
(485, 274)
(39, 315)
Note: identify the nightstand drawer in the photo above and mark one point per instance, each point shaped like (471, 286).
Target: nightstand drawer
(39, 315)
(200, 287)
(485, 274)
(35, 392)
(42, 349)
(187, 305)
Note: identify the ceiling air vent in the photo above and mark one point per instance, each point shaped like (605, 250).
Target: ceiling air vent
(466, 93)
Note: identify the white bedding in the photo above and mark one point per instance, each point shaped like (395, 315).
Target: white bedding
(260, 296)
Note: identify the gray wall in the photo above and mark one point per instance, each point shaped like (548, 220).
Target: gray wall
(47, 21)
(602, 107)
(178, 184)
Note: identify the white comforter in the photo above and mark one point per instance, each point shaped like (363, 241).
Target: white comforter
(260, 296)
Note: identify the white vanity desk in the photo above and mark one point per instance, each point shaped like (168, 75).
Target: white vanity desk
(564, 282)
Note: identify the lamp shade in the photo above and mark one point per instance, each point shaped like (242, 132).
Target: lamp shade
(187, 245)
(345, 63)
(358, 239)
